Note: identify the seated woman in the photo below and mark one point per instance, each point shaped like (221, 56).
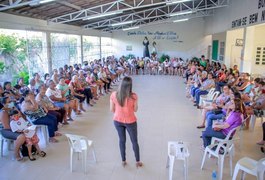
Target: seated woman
(6, 131)
(20, 86)
(233, 120)
(32, 86)
(13, 93)
(257, 106)
(38, 115)
(37, 79)
(45, 102)
(242, 82)
(219, 103)
(100, 84)
(58, 99)
(77, 91)
(94, 87)
(19, 125)
(103, 77)
(86, 87)
(46, 79)
(204, 89)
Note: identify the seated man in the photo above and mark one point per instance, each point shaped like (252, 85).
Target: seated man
(6, 132)
(233, 120)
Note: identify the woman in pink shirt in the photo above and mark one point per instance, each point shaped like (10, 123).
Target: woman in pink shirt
(123, 103)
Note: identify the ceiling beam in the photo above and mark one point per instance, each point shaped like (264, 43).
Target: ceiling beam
(162, 11)
(17, 4)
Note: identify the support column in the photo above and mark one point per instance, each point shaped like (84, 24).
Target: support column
(82, 49)
(100, 48)
(248, 48)
(49, 53)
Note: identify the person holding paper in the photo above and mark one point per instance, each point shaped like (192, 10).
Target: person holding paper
(18, 124)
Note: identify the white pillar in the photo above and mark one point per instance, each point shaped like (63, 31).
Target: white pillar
(82, 49)
(248, 49)
(100, 48)
(47, 44)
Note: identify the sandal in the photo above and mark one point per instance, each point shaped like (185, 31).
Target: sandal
(19, 158)
(261, 143)
(139, 164)
(58, 134)
(200, 127)
(124, 163)
(32, 158)
(53, 140)
(65, 123)
(42, 154)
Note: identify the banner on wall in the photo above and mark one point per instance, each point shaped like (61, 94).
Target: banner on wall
(251, 19)
(158, 35)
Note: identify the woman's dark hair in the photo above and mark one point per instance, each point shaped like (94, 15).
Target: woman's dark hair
(5, 84)
(45, 75)
(257, 80)
(239, 106)
(124, 91)
(21, 78)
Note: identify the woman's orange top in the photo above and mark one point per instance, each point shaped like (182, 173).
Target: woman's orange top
(126, 113)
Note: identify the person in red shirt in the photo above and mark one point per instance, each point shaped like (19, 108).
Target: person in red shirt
(124, 104)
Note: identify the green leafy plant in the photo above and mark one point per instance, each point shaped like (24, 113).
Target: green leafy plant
(23, 74)
(2, 67)
(129, 56)
(164, 57)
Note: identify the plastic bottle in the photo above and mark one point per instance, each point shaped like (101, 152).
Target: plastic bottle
(214, 175)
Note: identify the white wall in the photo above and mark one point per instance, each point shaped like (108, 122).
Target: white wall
(8, 21)
(222, 20)
(232, 52)
(190, 32)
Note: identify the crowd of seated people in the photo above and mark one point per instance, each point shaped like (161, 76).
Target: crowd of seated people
(240, 96)
(50, 100)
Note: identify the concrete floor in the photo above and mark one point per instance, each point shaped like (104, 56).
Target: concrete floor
(164, 114)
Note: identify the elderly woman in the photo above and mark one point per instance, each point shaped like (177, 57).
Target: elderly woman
(87, 90)
(44, 101)
(57, 98)
(204, 88)
(37, 79)
(77, 91)
(221, 130)
(38, 115)
(55, 76)
(6, 131)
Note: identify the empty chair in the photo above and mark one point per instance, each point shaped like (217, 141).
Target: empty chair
(250, 166)
(179, 151)
(80, 145)
(220, 150)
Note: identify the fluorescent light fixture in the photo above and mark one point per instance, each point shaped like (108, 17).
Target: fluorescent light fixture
(180, 20)
(45, 1)
(122, 23)
(103, 15)
(177, 1)
(181, 13)
(131, 28)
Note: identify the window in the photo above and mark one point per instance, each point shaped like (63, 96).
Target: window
(106, 47)
(64, 49)
(260, 56)
(91, 48)
(222, 51)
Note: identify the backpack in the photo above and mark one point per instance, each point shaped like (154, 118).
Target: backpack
(24, 150)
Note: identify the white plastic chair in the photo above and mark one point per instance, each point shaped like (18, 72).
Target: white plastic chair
(205, 97)
(210, 99)
(239, 133)
(253, 121)
(250, 166)
(42, 132)
(179, 151)
(226, 146)
(80, 144)
(8, 141)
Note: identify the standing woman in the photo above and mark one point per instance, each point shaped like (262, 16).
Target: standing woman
(123, 103)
